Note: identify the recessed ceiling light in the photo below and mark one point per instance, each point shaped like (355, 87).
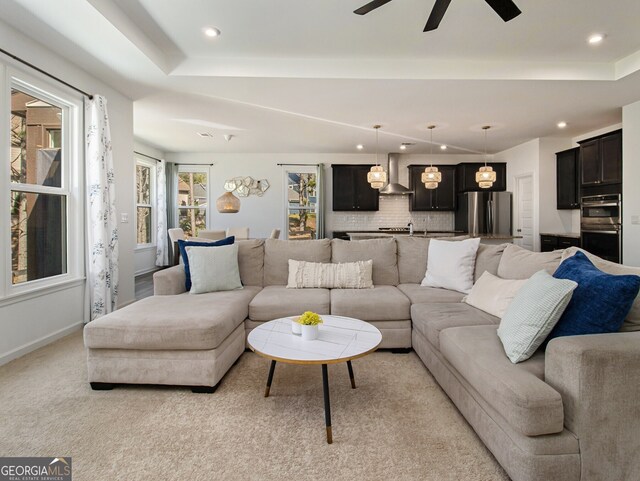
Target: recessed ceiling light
(596, 38)
(403, 147)
(205, 134)
(562, 125)
(211, 32)
(359, 146)
(443, 147)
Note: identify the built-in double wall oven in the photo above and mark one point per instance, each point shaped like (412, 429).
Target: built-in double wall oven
(601, 226)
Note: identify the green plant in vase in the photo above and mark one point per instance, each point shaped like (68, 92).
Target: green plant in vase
(308, 323)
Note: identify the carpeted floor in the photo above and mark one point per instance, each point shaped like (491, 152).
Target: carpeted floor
(397, 425)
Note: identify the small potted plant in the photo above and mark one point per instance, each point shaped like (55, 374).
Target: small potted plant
(309, 322)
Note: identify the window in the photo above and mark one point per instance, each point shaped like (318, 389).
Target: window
(302, 203)
(192, 201)
(45, 214)
(145, 198)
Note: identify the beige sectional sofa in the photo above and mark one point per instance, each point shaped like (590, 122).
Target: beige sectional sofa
(570, 413)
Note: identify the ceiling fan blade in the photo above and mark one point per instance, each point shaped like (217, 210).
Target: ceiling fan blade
(370, 6)
(437, 13)
(505, 8)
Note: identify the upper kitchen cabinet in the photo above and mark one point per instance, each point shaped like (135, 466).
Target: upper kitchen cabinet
(601, 160)
(351, 191)
(466, 177)
(443, 198)
(568, 179)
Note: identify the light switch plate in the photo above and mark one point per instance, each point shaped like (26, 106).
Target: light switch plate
(124, 218)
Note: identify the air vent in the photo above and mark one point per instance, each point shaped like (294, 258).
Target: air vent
(205, 134)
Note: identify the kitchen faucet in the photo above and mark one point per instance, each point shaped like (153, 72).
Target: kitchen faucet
(410, 225)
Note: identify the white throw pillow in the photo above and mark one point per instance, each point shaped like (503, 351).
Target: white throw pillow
(214, 268)
(492, 294)
(533, 313)
(342, 275)
(450, 264)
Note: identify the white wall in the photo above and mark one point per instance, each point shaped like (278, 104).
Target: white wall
(29, 322)
(262, 214)
(144, 257)
(525, 159)
(630, 191)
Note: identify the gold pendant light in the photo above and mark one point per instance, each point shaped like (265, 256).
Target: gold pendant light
(485, 177)
(431, 177)
(377, 177)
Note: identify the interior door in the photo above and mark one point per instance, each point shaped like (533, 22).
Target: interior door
(524, 211)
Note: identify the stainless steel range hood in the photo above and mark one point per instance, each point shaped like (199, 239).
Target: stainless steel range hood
(394, 187)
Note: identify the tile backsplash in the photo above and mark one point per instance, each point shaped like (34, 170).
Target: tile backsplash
(394, 212)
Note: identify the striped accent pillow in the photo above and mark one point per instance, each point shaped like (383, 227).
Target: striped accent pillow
(533, 313)
(343, 275)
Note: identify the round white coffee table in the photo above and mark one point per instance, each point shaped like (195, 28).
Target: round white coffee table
(341, 339)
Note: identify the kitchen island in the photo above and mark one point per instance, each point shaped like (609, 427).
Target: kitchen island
(484, 238)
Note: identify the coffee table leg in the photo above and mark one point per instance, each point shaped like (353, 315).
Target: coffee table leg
(270, 378)
(327, 404)
(353, 379)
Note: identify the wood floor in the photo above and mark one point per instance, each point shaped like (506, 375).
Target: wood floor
(144, 286)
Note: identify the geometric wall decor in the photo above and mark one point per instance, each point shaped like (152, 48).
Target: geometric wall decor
(246, 186)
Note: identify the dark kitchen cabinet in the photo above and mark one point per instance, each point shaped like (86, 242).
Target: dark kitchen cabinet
(550, 243)
(351, 191)
(443, 198)
(601, 160)
(466, 177)
(568, 179)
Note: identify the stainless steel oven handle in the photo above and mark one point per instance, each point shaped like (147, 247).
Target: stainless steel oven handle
(600, 204)
(600, 231)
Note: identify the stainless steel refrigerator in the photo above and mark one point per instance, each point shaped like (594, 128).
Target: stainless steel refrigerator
(487, 213)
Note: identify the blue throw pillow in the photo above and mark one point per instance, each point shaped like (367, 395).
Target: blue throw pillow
(182, 244)
(599, 304)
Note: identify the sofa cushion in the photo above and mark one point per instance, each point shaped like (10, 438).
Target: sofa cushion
(251, 261)
(492, 294)
(274, 302)
(412, 258)
(278, 252)
(600, 303)
(519, 263)
(383, 252)
(432, 318)
(382, 303)
(487, 259)
(632, 322)
(418, 294)
(340, 275)
(172, 322)
(451, 264)
(527, 403)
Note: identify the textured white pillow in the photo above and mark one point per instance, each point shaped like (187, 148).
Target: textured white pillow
(492, 294)
(533, 313)
(214, 268)
(451, 264)
(343, 275)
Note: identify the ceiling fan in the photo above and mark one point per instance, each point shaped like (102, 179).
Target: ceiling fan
(505, 8)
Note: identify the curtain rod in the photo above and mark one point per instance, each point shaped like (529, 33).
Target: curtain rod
(147, 156)
(210, 165)
(297, 165)
(38, 69)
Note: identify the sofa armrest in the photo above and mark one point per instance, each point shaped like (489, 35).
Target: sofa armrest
(598, 377)
(169, 282)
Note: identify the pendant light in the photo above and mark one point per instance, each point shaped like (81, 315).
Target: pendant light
(377, 177)
(431, 177)
(485, 177)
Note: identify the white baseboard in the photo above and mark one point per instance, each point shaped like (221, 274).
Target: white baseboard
(38, 343)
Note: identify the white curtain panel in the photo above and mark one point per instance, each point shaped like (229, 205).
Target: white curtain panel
(162, 245)
(102, 224)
